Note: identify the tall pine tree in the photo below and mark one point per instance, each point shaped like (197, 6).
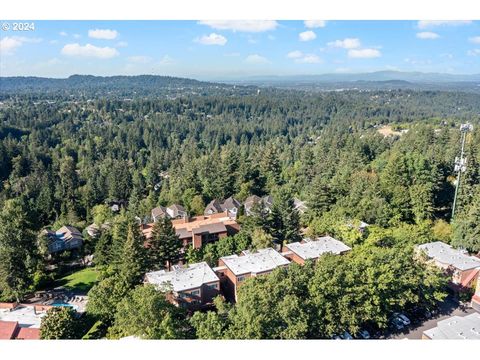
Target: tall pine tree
(164, 245)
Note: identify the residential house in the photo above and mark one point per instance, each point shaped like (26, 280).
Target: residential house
(266, 202)
(93, 229)
(213, 207)
(455, 328)
(176, 211)
(21, 321)
(250, 202)
(309, 249)
(300, 205)
(200, 230)
(230, 206)
(234, 269)
(11, 330)
(463, 268)
(192, 287)
(65, 238)
(158, 213)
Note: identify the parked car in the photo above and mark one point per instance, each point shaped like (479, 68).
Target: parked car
(345, 336)
(397, 323)
(364, 334)
(403, 318)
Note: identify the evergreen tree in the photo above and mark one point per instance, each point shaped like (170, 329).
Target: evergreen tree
(18, 251)
(164, 246)
(133, 263)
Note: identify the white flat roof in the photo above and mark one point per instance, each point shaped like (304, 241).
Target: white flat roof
(190, 277)
(312, 249)
(258, 262)
(445, 254)
(24, 315)
(456, 327)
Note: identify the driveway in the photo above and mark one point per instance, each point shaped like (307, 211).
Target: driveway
(449, 308)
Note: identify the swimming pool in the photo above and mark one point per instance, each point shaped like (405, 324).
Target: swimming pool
(63, 303)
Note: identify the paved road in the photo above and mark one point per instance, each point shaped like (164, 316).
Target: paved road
(448, 309)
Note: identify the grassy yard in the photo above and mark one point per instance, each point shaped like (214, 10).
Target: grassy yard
(80, 281)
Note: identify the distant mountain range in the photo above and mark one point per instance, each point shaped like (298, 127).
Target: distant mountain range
(413, 77)
(175, 86)
(117, 86)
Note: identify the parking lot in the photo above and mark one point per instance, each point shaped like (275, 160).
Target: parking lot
(449, 308)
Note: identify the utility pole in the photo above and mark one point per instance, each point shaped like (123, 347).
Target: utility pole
(460, 162)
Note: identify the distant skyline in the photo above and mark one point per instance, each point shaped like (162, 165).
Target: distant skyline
(235, 49)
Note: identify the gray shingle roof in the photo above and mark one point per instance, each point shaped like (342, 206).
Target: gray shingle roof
(181, 279)
(445, 254)
(456, 327)
(312, 249)
(258, 262)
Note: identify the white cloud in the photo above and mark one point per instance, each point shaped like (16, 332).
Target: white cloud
(475, 39)
(348, 43)
(256, 59)
(307, 36)
(54, 41)
(166, 60)
(309, 59)
(364, 53)
(89, 51)
(212, 39)
(77, 36)
(105, 34)
(312, 24)
(427, 35)
(241, 25)
(294, 54)
(63, 33)
(474, 52)
(302, 58)
(122, 44)
(9, 44)
(427, 24)
(140, 59)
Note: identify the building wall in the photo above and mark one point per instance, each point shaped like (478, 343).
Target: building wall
(292, 256)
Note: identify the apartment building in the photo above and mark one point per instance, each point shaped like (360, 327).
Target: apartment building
(192, 286)
(235, 269)
(200, 230)
(455, 328)
(463, 268)
(312, 249)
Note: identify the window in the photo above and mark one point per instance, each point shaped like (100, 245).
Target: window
(212, 286)
(195, 292)
(240, 278)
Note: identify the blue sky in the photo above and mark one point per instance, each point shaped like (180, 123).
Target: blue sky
(233, 49)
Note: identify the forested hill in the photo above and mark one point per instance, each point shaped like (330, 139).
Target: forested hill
(143, 85)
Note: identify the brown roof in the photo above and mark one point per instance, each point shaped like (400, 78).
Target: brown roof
(28, 334)
(7, 329)
(196, 225)
(159, 211)
(210, 228)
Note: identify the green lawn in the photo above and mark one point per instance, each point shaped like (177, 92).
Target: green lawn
(80, 281)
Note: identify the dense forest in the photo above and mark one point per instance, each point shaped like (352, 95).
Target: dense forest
(66, 155)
